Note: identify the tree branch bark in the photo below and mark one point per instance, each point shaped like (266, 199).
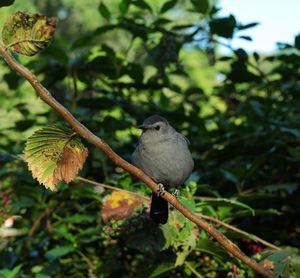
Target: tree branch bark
(46, 96)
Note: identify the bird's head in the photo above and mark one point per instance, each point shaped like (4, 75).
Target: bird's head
(155, 125)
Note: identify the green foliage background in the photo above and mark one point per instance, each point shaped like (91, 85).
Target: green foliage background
(114, 63)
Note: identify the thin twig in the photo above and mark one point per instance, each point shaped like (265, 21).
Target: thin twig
(232, 228)
(37, 222)
(112, 187)
(46, 96)
(193, 270)
(89, 263)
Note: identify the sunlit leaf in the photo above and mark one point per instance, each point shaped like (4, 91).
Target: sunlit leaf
(28, 34)
(120, 205)
(54, 154)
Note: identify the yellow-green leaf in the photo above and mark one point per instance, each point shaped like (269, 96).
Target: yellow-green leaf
(28, 34)
(54, 154)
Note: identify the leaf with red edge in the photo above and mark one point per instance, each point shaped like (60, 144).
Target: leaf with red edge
(28, 34)
(54, 154)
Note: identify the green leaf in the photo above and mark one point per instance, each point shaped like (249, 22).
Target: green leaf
(5, 3)
(58, 252)
(282, 263)
(201, 6)
(124, 6)
(247, 38)
(80, 218)
(256, 56)
(295, 266)
(104, 11)
(54, 154)
(186, 247)
(223, 27)
(28, 34)
(168, 5)
(14, 273)
(161, 269)
(222, 202)
(142, 4)
(213, 248)
(23, 202)
(246, 26)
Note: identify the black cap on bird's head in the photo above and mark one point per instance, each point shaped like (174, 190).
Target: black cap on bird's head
(152, 121)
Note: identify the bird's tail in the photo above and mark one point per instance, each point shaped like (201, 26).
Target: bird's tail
(159, 209)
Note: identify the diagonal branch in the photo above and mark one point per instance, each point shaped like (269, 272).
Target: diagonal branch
(46, 96)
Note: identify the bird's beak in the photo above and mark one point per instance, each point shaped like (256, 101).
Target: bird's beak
(143, 127)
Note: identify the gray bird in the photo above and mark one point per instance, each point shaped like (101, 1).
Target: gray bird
(162, 154)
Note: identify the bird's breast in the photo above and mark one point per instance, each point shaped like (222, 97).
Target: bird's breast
(169, 162)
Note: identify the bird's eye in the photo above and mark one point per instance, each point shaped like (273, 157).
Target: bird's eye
(157, 127)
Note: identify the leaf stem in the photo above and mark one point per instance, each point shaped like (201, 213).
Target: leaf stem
(189, 266)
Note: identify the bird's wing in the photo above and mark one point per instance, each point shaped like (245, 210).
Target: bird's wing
(183, 138)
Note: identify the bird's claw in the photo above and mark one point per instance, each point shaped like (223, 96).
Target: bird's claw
(176, 193)
(161, 189)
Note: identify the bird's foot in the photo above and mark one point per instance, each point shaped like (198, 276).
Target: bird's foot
(176, 193)
(161, 189)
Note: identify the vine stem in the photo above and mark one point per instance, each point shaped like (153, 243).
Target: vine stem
(78, 127)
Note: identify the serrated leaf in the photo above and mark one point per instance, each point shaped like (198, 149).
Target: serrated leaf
(54, 154)
(28, 34)
(186, 247)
